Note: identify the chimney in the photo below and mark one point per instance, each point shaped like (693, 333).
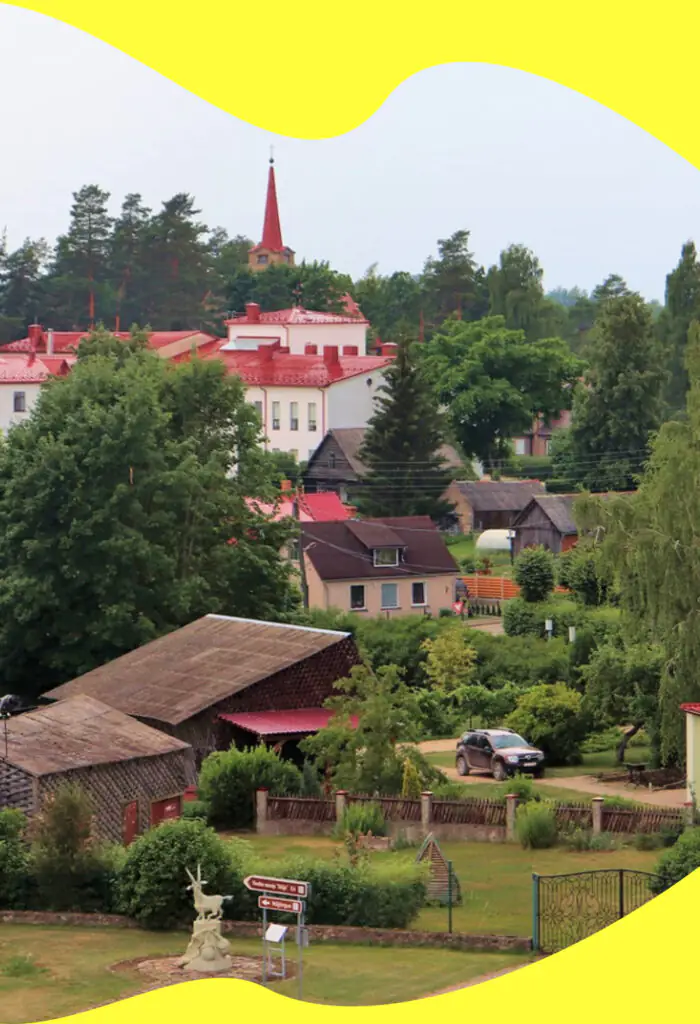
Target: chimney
(49, 342)
(310, 350)
(36, 336)
(252, 312)
(388, 349)
(266, 353)
(330, 355)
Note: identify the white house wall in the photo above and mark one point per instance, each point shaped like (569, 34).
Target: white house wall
(351, 401)
(8, 417)
(322, 335)
(302, 441)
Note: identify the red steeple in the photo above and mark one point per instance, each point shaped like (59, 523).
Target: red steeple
(272, 232)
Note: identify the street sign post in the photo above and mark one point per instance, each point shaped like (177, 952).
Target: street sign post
(278, 895)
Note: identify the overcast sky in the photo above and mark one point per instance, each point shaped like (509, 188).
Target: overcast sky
(508, 156)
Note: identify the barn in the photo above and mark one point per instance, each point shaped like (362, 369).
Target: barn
(194, 682)
(135, 775)
(546, 520)
(490, 504)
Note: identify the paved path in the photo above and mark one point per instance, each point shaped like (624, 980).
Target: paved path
(493, 626)
(583, 783)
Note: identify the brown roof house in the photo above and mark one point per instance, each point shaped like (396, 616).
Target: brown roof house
(336, 466)
(185, 682)
(379, 566)
(546, 520)
(135, 775)
(490, 504)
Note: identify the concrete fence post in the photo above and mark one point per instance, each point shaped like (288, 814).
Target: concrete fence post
(597, 815)
(426, 811)
(511, 806)
(689, 813)
(261, 810)
(340, 804)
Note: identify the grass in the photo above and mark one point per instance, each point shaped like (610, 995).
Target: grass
(465, 547)
(72, 969)
(495, 878)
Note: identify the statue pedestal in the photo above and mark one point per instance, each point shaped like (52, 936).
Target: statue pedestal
(208, 949)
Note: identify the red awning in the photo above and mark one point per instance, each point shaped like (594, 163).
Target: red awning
(282, 723)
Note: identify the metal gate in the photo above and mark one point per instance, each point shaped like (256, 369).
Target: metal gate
(568, 908)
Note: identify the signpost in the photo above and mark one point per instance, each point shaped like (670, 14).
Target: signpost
(278, 895)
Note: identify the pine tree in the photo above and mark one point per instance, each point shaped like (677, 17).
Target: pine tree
(128, 259)
(682, 306)
(406, 473)
(79, 286)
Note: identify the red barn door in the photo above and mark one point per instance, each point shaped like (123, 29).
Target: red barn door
(166, 810)
(131, 822)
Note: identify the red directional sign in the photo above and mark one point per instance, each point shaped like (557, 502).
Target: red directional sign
(275, 903)
(283, 886)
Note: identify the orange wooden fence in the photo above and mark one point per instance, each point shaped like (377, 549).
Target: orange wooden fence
(496, 588)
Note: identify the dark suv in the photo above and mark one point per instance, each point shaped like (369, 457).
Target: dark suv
(498, 751)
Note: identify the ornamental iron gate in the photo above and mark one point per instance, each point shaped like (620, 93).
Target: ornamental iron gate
(568, 908)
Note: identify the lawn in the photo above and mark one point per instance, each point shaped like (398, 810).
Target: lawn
(495, 878)
(465, 547)
(54, 972)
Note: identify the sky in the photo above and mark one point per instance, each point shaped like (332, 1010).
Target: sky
(508, 156)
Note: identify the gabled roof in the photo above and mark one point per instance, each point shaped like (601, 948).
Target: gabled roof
(558, 508)
(350, 440)
(18, 367)
(65, 342)
(499, 495)
(337, 553)
(185, 672)
(325, 506)
(373, 534)
(78, 733)
(297, 315)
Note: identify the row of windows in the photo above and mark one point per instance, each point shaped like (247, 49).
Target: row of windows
(390, 596)
(311, 420)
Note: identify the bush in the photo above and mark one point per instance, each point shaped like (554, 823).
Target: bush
(523, 619)
(228, 781)
(551, 718)
(677, 862)
(581, 571)
(14, 861)
(581, 840)
(68, 869)
(311, 785)
(536, 826)
(534, 574)
(642, 841)
(520, 786)
(152, 886)
(410, 787)
(359, 818)
(522, 660)
(195, 809)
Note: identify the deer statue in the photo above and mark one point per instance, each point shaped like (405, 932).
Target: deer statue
(209, 908)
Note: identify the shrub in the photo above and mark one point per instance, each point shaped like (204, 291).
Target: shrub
(195, 809)
(523, 619)
(520, 786)
(228, 781)
(410, 787)
(311, 785)
(581, 571)
(522, 660)
(536, 826)
(14, 862)
(68, 869)
(677, 862)
(152, 886)
(642, 841)
(551, 718)
(359, 818)
(583, 839)
(534, 574)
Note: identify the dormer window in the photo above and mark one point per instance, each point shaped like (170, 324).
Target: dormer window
(386, 556)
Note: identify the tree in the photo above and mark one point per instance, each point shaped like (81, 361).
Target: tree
(621, 405)
(681, 308)
(406, 474)
(551, 718)
(450, 664)
(123, 514)
(128, 259)
(20, 286)
(534, 574)
(79, 287)
(494, 382)
(582, 571)
(453, 283)
(392, 304)
(515, 290)
(312, 285)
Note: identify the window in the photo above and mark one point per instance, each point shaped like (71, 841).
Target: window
(357, 597)
(20, 401)
(312, 415)
(331, 460)
(262, 260)
(417, 593)
(258, 408)
(548, 446)
(293, 415)
(520, 446)
(390, 595)
(386, 556)
(276, 413)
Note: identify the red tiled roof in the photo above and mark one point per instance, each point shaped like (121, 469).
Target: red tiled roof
(268, 369)
(65, 341)
(691, 709)
(323, 507)
(298, 315)
(283, 723)
(24, 368)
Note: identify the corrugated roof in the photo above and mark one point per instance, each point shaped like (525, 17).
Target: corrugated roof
(17, 367)
(499, 495)
(297, 315)
(285, 369)
(80, 732)
(184, 672)
(321, 507)
(557, 507)
(336, 553)
(283, 723)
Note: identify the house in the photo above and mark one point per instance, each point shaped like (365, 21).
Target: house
(378, 566)
(537, 440)
(65, 343)
(299, 331)
(336, 465)
(322, 507)
(692, 749)
(136, 776)
(184, 682)
(490, 504)
(546, 520)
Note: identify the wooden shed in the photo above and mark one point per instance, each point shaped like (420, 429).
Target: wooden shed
(185, 682)
(546, 520)
(135, 775)
(490, 504)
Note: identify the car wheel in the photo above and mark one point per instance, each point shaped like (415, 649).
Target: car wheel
(499, 771)
(539, 773)
(462, 766)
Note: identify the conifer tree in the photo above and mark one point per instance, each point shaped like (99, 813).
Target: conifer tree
(406, 472)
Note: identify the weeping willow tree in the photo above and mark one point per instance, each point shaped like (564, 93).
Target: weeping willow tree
(652, 541)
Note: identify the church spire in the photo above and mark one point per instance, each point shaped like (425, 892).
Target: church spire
(271, 248)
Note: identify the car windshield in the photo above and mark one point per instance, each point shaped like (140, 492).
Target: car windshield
(510, 740)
